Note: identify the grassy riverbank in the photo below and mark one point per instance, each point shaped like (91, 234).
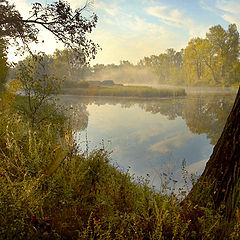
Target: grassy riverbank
(126, 91)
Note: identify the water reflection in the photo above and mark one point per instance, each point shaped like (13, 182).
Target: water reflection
(208, 115)
(155, 135)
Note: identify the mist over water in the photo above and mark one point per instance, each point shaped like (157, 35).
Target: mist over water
(129, 74)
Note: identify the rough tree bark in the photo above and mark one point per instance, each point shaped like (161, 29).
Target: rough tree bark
(220, 181)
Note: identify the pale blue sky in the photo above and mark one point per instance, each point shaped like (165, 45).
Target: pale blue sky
(132, 29)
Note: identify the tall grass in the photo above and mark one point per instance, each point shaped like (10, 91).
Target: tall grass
(126, 91)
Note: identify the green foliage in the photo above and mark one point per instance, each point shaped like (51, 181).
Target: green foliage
(39, 87)
(66, 65)
(18, 29)
(214, 59)
(205, 61)
(167, 66)
(126, 91)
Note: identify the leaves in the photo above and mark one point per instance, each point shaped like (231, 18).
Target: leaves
(68, 26)
(39, 86)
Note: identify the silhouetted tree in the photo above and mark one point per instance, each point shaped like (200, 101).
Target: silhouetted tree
(68, 26)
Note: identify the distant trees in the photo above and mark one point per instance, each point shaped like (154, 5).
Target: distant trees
(167, 66)
(67, 66)
(225, 48)
(63, 64)
(193, 61)
(213, 60)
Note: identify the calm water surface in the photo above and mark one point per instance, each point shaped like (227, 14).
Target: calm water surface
(153, 136)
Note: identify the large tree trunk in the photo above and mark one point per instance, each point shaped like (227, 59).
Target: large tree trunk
(220, 181)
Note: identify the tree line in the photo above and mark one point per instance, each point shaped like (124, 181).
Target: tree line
(213, 60)
(210, 61)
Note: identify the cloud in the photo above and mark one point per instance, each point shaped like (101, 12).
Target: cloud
(111, 8)
(134, 39)
(231, 6)
(231, 9)
(132, 47)
(171, 143)
(145, 134)
(198, 30)
(169, 16)
(138, 24)
(174, 17)
(228, 10)
(208, 5)
(131, 35)
(196, 167)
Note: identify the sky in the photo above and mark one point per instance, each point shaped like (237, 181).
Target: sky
(133, 29)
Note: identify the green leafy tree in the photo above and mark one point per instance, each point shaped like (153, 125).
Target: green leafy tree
(193, 62)
(39, 87)
(225, 46)
(167, 66)
(174, 61)
(211, 61)
(200, 62)
(235, 73)
(68, 26)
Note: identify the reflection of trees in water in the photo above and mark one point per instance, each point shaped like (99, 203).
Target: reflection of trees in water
(208, 114)
(170, 108)
(202, 113)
